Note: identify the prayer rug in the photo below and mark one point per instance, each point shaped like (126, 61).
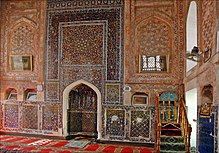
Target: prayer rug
(77, 144)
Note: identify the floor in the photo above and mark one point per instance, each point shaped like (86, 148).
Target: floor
(26, 144)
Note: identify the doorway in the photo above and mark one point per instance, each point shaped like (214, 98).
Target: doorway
(82, 111)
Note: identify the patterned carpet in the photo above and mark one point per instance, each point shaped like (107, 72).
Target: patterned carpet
(22, 144)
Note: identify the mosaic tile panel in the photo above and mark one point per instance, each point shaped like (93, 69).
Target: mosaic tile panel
(112, 93)
(168, 96)
(102, 34)
(50, 115)
(113, 17)
(52, 91)
(82, 47)
(94, 75)
(115, 123)
(23, 40)
(60, 112)
(130, 129)
(30, 117)
(140, 124)
(11, 116)
(53, 4)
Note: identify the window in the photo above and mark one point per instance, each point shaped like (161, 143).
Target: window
(156, 63)
(12, 94)
(140, 99)
(32, 96)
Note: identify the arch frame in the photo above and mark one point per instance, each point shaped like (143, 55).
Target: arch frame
(66, 106)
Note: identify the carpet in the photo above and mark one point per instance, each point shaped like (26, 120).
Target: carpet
(77, 144)
(127, 150)
(109, 149)
(60, 144)
(40, 145)
(65, 151)
(146, 150)
(29, 141)
(5, 137)
(28, 149)
(92, 147)
(14, 140)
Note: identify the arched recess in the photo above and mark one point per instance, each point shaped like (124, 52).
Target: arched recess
(11, 94)
(23, 37)
(148, 33)
(191, 32)
(66, 105)
(24, 20)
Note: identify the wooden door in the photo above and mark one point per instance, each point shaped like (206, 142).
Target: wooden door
(82, 112)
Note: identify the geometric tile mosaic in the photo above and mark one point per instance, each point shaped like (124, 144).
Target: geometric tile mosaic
(50, 115)
(23, 40)
(112, 93)
(168, 96)
(30, 117)
(95, 31)
(140, 124)
(11, 116)
(115, 123)
(82, 47)
(110, 34)
(52, 89)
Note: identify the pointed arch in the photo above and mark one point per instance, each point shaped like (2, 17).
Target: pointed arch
(23, 20)
(149, 29)
(191, 32)
(66, 105)
(23, 37)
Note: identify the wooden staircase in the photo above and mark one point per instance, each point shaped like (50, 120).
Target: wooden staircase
(171, 139)
(173, 128)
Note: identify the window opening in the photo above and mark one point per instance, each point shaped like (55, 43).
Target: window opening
(31, 96)
(12, 95)
(156, 63)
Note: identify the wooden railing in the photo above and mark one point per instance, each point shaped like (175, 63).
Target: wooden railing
(178, 110)
(185, 126)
